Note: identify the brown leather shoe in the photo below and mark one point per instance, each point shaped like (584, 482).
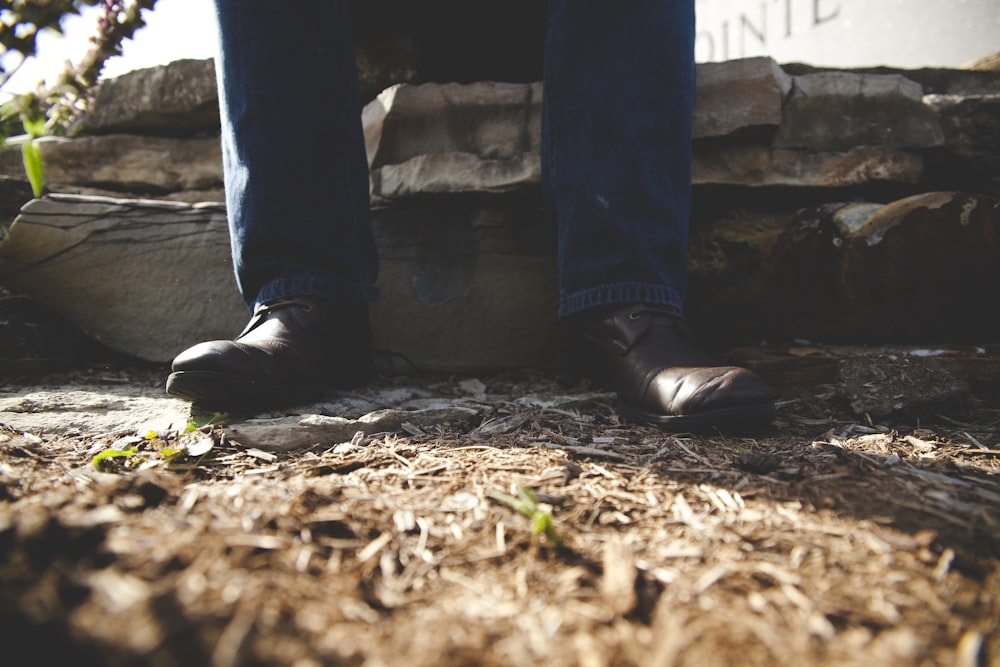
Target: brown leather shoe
(647, 355)
(291, 351)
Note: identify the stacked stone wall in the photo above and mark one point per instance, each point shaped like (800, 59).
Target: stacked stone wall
(830, 205)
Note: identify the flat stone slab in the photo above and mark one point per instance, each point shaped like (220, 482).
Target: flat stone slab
(125, 162)
(135, 403)
(69, 408)
(113, 266)
(834, 111)
(151, 278)
(907, 382)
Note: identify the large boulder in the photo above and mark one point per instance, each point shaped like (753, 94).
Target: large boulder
(143, 277)
(919, 269)
(467, 286)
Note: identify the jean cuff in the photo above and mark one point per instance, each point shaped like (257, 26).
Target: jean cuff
(622, 293)
(283, 288)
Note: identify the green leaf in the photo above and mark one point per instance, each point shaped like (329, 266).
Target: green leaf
(199, 421)
(171, 453)
(33, 167)
(513, 503)
(545, 524)
(527, 494)
(528, 505)
(104, 460)
(34, 127)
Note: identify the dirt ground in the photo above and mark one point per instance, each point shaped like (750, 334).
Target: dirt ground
(863, 529)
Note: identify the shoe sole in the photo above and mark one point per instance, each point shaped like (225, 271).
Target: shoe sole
(221, 390)
(735, 420)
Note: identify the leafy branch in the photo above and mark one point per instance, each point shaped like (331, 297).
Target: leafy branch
(54, 109)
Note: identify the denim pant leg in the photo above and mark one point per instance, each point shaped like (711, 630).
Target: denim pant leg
(296, 174)
(616, 148)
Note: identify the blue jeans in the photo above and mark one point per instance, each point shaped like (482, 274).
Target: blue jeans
(616, 150)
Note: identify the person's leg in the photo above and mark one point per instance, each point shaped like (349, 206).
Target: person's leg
(616, 163)
(293, 150)
(296, 179)
(616, 151)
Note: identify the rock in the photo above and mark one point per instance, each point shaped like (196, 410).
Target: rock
(738, 95)
(151, 278)
(442, 173)
(465, 285)
(179, 99)
(146, 278)
(914, 270)
(489, 119)
(763, 166)
(299, 431)
(485, 138)
(837, 111)
(471, 284)
(792, 237)
(436, 138)
(127, 408)
(918, 268)
(126, 163)
(990, 63)
(836, 129)
(971, 125)
(210, 196)
(933, 80)
(479, 276)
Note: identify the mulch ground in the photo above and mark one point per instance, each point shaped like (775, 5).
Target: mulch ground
(543, 535)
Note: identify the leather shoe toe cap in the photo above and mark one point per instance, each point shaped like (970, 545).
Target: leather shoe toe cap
(686, 391)
(218, 356)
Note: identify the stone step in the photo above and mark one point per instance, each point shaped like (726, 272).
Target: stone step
(470, 282)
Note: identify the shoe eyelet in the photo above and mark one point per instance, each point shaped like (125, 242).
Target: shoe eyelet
(634, 315)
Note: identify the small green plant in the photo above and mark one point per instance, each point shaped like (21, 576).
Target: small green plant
(32, 157)
(119, 458)
(154, 448)
(540, 514)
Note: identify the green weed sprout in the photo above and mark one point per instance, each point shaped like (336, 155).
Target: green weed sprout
(118, 459)
(540, 514)
(169, 447)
